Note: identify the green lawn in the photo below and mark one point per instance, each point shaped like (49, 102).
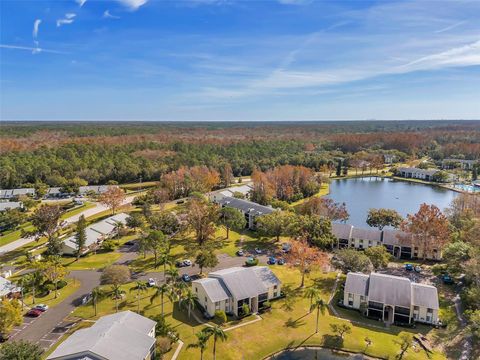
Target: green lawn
(279, 329)
(77, 210)
(69, 289)
(91, 261)
(324, 190)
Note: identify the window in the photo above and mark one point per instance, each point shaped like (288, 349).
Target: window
(205, 299)
(350, 296)
(362, 298)
(429, 311)
(196, 290)
(217, 305)
(275, 287)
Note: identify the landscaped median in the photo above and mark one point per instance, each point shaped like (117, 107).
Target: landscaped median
(289, 324)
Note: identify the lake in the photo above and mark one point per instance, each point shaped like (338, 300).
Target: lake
(361, 194)
(316, 354)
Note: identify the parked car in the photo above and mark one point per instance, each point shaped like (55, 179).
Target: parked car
(251, 261)
(187, 262)
(409, 267)
(447, 279)
(130, 243)
(286, 247)
(240, 253)
(186, 278)
(258, 251)
(151, 282)
(271, 261)
(418, 269)
(41, 307)
(34, 313)
(281, 261)
(207, 316)
(78, 202)
(180, 201)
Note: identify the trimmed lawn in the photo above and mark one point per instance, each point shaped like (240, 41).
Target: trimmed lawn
(15, 235)
(281, 328)
(91, 261)
(69, 289)
(324, 190)
(77, 210)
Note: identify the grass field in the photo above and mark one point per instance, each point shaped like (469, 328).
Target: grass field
(91, 261)
(69, 289)
(279, 329)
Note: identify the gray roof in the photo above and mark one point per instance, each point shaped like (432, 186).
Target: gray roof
(390, 290)
(103, 227)
(366, 234)
(54, 190)
(214, 288)
(121, 336)
(245, 206)
(118, 218)
(425, 295)
(342, 231)
(92, 237)
(417, 170)
(357, 283)
(6, 286)
(10, 205)
(395, 237)
(23, 191)
(98, 189)
(4, 193)
(266, 276)
(241, 282)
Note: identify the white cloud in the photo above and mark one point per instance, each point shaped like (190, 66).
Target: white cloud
(34, 50)
(36, 24)
(81, 2)
(70, 15)
(133, 4)
(450, 27)
(294, 2)
(107, 15)
(61, 22)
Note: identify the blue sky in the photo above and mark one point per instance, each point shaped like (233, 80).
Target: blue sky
(239, 60)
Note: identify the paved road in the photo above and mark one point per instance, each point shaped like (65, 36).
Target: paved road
(42, 326)
(88, 212)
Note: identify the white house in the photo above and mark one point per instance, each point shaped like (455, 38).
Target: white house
(15, 193)
(229, 289)
(95, 234)
(416, 173)
(7, 287)
(245, 190)
(121, 336)
(7, 205)
(392, 299)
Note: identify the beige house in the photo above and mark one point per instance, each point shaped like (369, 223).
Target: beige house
(392, 299)
(229, 289)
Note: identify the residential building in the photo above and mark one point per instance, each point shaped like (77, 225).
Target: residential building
(249, 209)
(15, 193)
(397, 243)
(121, 336)
(95, 234)
(459, 163)
(7, 288)
(416, 173)
(245, 190)
(10, 205)
(392, 299)
(229, 289)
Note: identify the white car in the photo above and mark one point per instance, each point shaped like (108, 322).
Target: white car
(151, 282)
(258, 251)
(187, 262)
(41, 307)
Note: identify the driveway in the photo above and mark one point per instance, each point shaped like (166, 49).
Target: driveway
(39, 328)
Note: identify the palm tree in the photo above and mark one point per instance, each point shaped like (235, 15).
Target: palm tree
(160, 291)
(141, 287)
(173, 274)
(117, 293)
(33, 280)
(311, 293)
(188, 300)
(217, 333)
(320, 305)
(165, 258)
(202, 341)
(97, 294)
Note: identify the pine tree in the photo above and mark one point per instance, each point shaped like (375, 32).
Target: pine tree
(81, 235)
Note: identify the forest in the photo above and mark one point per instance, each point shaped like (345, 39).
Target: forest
(55, 153)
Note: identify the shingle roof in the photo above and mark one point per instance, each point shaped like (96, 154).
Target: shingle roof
(425, 295)
(92, 237)
(390, 290)
(246, 206)
(366, 234)
(103, 227)
(23, 191)
(214, 288)
(241, 282)
(121, 336)
(10, 205)
(342, 231)
(357, 283)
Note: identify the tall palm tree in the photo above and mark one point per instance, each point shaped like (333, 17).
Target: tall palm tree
(117, 293)
(165, 258)
(217, 333)
(188, 300)
(97, 294)
(140, 287)
(160, 291)
(311, 293)
(202, 341)
(172, 274)
(320, 305)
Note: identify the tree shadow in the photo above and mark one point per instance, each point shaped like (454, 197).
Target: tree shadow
(294, 324)
(332, 341)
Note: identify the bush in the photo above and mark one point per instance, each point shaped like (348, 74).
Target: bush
(164, 345)
(108, 245)
(221, 316)
(61, 284)
(245, 310)
(48, 288)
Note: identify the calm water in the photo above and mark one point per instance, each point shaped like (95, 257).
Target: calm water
(315, 354)
(361, 194)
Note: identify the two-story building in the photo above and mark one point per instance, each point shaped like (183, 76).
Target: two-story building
(249, 209)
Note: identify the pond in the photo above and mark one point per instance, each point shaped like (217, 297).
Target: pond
(316, 354)
(361, 194)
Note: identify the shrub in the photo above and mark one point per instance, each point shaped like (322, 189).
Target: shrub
(245, 310)
(221, 316)
(164, 345)
(108, 245)
(61, 284)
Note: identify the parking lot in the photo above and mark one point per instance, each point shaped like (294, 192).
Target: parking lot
(424, 276)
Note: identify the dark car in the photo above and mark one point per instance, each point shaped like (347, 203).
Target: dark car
(186, 278)
(130, 243)
(34, 313)
(409, 267)
(281, 261)
(271, 261)
(4, 337)
(447, 279)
